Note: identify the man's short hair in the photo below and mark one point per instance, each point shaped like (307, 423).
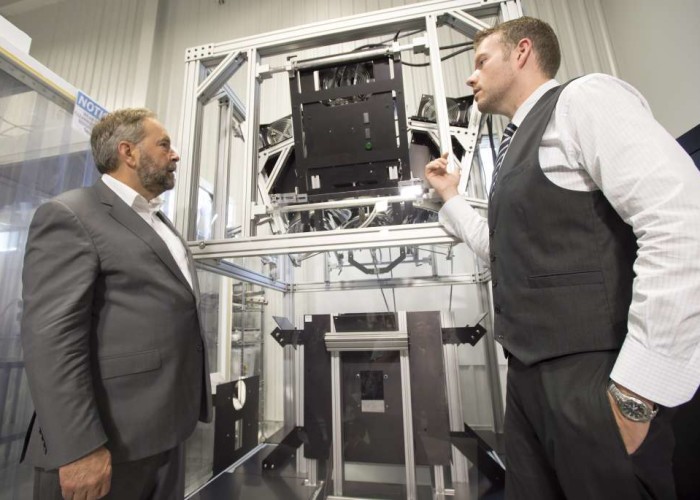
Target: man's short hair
(544, 41)
(121, 125)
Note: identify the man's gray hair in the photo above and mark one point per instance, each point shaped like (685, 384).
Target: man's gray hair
(121, 125)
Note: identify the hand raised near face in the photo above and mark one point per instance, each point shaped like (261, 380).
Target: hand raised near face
(445, 183)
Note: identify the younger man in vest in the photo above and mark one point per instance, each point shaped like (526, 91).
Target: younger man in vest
(593, 238)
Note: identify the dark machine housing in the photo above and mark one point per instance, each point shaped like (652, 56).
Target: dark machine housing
(350, 132)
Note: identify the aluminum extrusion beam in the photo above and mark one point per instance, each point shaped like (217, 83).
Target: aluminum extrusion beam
(189, 134)
(221, 179)
(470, 149)
(407, 410)
(366, 341)
(362, 25)
(337, 428)
(346, 239)
(251, 144)
(364, 202)
(511, 10)
(238, 108)
(281, 160)
(235, 271)
(466, 24)
(439, 97)
(372, 284)
(213, 83)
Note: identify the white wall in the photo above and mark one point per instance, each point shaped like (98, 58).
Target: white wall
(657, 49)
(582, 34)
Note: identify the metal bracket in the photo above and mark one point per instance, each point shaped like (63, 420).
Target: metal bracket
(285, 334)
(288, 337)
(481, 454)
(285, 451)
(389, 267)
(200, 52)
(464, 335)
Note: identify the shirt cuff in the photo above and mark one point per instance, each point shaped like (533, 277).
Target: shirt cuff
(663, 380)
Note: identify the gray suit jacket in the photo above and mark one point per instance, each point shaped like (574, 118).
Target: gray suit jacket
(113, 346)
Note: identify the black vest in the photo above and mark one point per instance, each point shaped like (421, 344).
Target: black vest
(561, 260)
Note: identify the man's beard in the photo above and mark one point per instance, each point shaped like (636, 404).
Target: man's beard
(154, 179)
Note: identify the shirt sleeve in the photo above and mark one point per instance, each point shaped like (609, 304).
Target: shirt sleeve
(464, 222)
(655, 187)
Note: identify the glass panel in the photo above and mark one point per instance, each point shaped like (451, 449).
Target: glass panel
(40, 157)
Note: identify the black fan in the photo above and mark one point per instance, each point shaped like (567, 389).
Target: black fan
(276, 132)
(458, 109)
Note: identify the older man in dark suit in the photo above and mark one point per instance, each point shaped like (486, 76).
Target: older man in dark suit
(113, 346)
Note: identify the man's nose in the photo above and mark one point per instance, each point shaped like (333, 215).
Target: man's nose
(174, 155)
(472, 79)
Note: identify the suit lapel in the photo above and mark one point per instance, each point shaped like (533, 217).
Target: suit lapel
(128, 218)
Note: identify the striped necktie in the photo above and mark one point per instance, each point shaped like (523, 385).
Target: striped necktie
(505, 142)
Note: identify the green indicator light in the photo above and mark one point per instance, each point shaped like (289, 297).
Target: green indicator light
(368, 145)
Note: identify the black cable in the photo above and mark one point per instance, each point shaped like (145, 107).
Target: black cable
(376, 269)
(384, 42)
(457, 45)
(449, 56)
(391, 273)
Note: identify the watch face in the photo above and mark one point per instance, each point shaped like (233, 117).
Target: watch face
(634, 410)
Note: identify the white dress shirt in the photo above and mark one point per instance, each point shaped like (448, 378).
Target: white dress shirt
(148, 211)
(602, 135)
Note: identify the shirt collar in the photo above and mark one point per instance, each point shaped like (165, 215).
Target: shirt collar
(131, 197)
(526, 106)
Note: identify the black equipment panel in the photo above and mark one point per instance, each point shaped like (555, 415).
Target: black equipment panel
(235, 425)
(350, 133)
(372, 427)
(431, 425)
(318, 421)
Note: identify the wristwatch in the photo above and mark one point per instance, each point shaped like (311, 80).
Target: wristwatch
(632, 408)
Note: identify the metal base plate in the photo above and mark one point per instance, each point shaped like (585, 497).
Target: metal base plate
(248, 481)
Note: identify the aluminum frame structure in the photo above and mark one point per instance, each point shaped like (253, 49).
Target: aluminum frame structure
(209, 68)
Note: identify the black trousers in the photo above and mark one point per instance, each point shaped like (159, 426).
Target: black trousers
(562, 441)
(159, 477)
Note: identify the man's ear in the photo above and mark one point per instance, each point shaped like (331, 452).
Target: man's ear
(523, 52)
(127, 151)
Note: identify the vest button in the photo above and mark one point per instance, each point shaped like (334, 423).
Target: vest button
(497, 309)
(494, 284)
(492, 258)
(492, 232)
(499, 337)
(199, 347)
